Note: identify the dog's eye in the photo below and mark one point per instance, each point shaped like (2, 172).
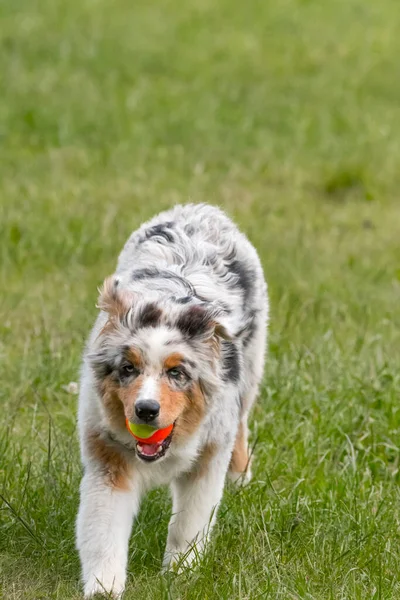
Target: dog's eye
(128, 370)
(177, 374)
(174, 373)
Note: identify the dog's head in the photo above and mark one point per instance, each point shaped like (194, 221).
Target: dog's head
(157, 362)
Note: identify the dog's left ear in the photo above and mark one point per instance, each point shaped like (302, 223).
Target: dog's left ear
(113, 300)
(203, 321)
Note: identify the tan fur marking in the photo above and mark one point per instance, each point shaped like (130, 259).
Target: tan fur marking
(114, 301)
(109, 327)
(119, 401)
(112, 403)
(172, 402)
(129, 394)
(200, 467)
(173, 360)
(193, 411)
(116, 467)
(240, 457)
(135, 357)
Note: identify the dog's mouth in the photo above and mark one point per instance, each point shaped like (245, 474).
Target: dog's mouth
(152, 452)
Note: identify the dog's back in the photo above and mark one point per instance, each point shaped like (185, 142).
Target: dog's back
(196, 250)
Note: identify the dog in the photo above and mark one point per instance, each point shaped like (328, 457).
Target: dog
(180, 340)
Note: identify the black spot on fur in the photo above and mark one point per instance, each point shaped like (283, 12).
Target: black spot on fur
(194, 321)
(101, 365)
(250, 330)
(230, 362)
(149, 315)
(154, 273)
(189, 230)
(245, 277)
(184, 300)
(148, 273)
(160, 231)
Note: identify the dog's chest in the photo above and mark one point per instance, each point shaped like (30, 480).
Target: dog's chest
(163, 472)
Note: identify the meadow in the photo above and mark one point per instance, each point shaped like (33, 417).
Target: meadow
(286, 114)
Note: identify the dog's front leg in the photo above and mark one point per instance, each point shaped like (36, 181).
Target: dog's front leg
(103, 528)
(196, 497)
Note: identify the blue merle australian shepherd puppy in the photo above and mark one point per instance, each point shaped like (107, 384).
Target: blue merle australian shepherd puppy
(179, 340)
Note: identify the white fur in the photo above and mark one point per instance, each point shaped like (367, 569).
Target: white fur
(202, 236)
(104, 525)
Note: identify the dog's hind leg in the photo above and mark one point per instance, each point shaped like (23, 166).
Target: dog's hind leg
(253, 354)
(240, 465)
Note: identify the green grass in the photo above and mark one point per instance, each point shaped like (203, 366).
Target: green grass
(286, 113)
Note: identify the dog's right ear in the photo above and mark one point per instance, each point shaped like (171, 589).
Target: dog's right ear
(113, 300)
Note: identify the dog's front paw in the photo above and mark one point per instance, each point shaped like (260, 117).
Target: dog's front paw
(105, 587)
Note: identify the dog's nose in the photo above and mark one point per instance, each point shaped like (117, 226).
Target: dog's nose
(147, 410)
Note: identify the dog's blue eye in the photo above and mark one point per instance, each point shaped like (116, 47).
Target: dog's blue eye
(178, 375)
(175, 373)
